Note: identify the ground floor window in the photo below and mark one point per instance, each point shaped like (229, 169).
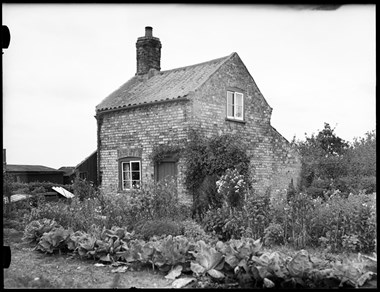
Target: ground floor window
(130, 173)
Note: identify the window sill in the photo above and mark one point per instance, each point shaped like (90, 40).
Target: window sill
(120, 191)
(235, 120)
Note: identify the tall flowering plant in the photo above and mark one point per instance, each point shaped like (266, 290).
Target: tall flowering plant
(232, 187)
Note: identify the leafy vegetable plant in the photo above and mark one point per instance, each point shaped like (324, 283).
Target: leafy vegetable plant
(207, 260)
(54, 240)
(35, 229)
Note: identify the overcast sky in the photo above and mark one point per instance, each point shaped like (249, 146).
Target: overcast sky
(312, 66)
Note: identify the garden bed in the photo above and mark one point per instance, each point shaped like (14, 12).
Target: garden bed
(31, 269)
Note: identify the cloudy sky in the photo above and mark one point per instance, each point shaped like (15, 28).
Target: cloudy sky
(312, 66)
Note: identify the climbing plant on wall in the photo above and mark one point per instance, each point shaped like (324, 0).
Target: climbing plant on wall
(161, 151)
(208, 158)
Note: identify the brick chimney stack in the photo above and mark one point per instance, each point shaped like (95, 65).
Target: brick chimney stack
(148, 52)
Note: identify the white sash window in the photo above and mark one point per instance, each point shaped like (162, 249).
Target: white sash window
(235, 105)
(130, 175)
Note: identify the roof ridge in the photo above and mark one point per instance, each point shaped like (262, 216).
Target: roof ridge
(216, 69)
(29, 165)
(198, 64)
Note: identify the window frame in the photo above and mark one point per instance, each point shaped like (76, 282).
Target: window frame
(129, 161)
(234, 105)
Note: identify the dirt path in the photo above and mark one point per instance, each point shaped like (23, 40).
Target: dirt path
(31, 269)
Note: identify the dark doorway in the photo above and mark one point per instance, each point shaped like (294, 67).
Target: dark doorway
(166, 170)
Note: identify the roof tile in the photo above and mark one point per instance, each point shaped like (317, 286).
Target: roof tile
(161, 85)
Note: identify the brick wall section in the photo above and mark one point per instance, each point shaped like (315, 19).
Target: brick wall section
(148, 54)
(274, 163)
(137, 130)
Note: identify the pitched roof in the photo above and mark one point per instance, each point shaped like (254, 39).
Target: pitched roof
(30, 168)
(68, 170)
(163, 85)
(84, 160)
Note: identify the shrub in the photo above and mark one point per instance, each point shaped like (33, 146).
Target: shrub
(22, 188)
(250, 220)
(37, 200)
(337, 221)
(351, 243)
(237, 214)
(158, 228)
(318, 187)
(83, 189)
(368, 184)
(79, 215)
(155, 201)
(38, 190)
(194, 231)
(206, 197)
(232, 187)
(211, 156)
(225, 222)
(27, 188)
(343, 219)
(257, 213)
(274, 234)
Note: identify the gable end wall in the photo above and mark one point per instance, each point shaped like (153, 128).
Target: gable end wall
(274, 162)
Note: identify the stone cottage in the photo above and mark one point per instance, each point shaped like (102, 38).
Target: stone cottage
(155, 107)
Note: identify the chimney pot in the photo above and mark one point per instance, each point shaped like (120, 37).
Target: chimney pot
(148, 31)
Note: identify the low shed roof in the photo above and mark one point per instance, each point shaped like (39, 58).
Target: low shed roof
(30, 168)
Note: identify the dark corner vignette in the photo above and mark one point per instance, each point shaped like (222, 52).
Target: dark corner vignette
(5, 40)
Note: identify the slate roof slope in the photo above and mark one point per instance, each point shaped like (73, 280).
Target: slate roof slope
(30, 168)
(164, 85)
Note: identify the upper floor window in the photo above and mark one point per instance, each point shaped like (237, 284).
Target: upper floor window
(130, 173)
(235, 105)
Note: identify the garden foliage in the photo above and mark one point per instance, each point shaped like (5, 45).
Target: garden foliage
(337, 222)
(206, 158)
(159, 227)
(329, 163)
(35, 229)
(234, 259)
(157, 230)
(155, 201)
